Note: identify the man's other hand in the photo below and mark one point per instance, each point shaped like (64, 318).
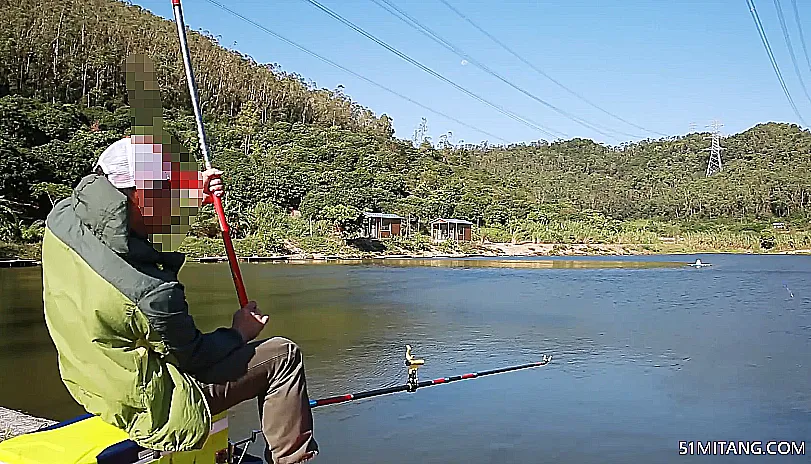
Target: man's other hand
(249, 322)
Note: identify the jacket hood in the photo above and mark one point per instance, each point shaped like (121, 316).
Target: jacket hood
(102, 208)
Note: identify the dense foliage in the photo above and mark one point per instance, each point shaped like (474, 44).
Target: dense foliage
(766, 174)
(289, 148)
(72, 51)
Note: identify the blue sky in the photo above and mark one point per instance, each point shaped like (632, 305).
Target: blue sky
(661, 64)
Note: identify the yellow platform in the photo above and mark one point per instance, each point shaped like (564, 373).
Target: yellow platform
(93, 441)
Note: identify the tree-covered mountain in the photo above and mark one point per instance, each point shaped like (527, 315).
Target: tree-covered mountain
(287, 145)
(766, 173)
(72, 51)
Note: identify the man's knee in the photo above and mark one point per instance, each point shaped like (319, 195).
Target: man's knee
(281, 348)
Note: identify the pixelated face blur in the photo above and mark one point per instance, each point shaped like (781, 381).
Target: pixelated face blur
(168, 182)
(168, 192)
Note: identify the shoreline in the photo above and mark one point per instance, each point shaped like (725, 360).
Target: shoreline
(507, 250)
(476, 250)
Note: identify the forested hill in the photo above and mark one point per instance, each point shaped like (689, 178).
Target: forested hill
(72, 51)
(287, 144)
(766, 172)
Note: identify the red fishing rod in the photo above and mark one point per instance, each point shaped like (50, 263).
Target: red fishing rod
(413, 384)
(201, 134)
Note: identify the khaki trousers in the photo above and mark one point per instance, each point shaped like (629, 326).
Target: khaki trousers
(274, 375)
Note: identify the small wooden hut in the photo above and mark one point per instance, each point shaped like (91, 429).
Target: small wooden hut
(451, 229)
(382, 225)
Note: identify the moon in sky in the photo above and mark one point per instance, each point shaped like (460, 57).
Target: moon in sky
(464, 62)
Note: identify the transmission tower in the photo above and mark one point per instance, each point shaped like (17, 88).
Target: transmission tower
(714, 163)
(693, 127)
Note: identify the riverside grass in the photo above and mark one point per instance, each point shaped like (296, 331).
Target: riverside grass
(279, 234)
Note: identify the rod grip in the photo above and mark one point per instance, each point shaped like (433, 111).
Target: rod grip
(232, 256)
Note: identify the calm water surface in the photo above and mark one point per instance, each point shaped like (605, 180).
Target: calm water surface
(645, 355)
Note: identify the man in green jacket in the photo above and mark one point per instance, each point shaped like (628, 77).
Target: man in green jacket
(128, 348)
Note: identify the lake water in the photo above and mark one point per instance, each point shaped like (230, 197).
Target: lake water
(644, 355)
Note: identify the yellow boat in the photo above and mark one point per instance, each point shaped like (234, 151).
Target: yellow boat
(89, 440)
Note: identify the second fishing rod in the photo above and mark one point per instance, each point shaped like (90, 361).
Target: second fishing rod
(412, 384)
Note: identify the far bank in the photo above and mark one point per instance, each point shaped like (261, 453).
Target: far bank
(211, 250)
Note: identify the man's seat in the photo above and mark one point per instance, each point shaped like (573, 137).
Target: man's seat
(89, 440)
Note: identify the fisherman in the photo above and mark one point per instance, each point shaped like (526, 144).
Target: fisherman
(128, 349)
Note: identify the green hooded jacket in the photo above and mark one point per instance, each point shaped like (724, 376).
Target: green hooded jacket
(128, 349)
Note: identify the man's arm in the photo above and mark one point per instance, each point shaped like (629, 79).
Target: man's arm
(168, 313)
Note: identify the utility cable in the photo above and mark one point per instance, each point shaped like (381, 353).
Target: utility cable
(544, 74)
(787, 37)
(526, 121)
(768, 48)
(415, 24)
(349, 71)
(802, 38)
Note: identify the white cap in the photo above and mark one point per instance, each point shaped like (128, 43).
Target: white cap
(118, 162)
(129, 163)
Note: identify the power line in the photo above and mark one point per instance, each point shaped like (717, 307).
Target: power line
(541, 72)
(349, 71)
(786, 36)
(430, 71)
(800, 27)
(765, 41)
(415, 24)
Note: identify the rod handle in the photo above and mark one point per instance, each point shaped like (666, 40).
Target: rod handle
(236, 274)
